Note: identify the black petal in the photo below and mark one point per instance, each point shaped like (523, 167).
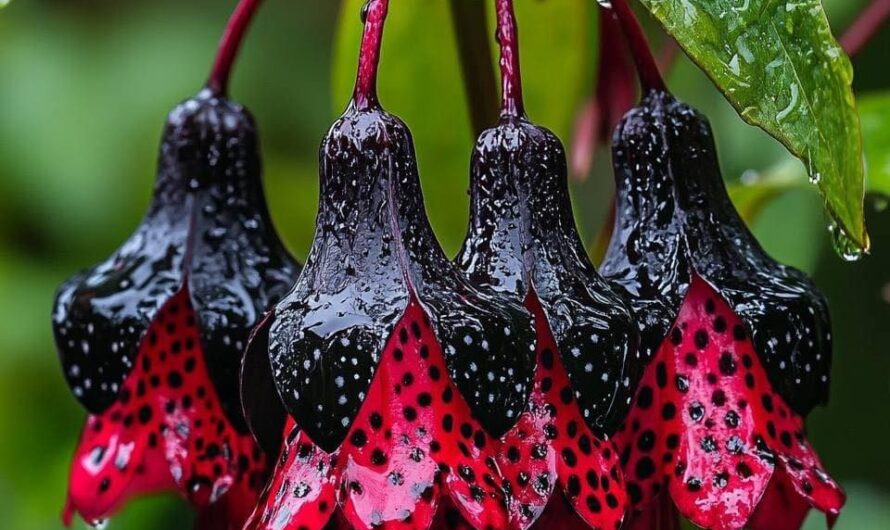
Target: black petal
(238, 265)
(373, 251)
(785, 313)
(261, 404)
(522, 239)
(207, 222)
(647, 256)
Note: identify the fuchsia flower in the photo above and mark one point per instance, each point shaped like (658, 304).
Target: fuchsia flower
(739, 346)
(151, 340)
(397, 374)
(522, 242)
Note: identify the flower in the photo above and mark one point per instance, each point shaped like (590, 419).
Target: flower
(739, 346)
(396, 374)
(522, 242)
(151, 339)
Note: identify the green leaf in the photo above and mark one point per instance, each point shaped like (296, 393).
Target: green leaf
(874, 113)
(779, 65)
(420, 81)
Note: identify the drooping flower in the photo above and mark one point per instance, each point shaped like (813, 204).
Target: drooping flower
(151, 339)
(522, 241)
(739, 346)
(396, 374)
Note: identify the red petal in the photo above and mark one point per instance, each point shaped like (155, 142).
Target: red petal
(707, 421)
(658, 515)
(386, 466)
(552, 441)
(461, 447)
(412, 424)
(781, 508)
(561, 515)
(167, 429)
(300, 494)
(558, 515)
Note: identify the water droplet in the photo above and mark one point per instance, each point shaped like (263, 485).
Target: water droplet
(364, 12)
(605, 3)
(99, 524)
(815, 177)
(844, 245)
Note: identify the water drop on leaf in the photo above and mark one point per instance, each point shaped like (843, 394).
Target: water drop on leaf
(843, 244)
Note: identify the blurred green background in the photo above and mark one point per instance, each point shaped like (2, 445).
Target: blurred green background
(84, 89)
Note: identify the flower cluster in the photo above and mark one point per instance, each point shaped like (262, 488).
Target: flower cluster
(385, 385)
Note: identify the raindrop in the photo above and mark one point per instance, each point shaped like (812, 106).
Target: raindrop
(605, 3)
(844, 245)
(99, 524)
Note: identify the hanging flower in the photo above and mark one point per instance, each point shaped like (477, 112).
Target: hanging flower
(150, 340)
(396, 374)
(739, 346)
(522, 241)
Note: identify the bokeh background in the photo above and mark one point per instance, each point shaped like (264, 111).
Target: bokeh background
(84, 89)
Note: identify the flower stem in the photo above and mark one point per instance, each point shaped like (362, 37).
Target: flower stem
(647, 67)
(511, 78)
(471, 31)
(374, 15)
(866, 26)
(218, 82)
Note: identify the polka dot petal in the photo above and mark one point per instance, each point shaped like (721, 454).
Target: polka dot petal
(166, 431)
(707, 424)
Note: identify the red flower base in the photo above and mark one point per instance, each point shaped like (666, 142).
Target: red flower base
(414, 457)
(166, 431)
(708, 427)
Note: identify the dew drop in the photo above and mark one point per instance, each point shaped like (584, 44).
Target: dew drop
(843, 244)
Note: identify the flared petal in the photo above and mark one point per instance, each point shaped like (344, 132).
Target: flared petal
(167, 430)
(386, 466)
(552, 444)
(301, 493)
(413, 442)
(781, 508)
(707, 421)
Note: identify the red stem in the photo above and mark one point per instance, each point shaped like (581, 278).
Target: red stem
(218, 82)
(647, 67)
(511, 79)
(365, 94)
(866, 26)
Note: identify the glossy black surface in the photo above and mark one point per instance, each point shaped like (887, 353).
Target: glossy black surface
(263, 411)
(522, 240)
(674, 218)
(207, 230)
(373, 251)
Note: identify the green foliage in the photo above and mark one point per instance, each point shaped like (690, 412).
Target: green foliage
(874, 113)
(781, 68)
